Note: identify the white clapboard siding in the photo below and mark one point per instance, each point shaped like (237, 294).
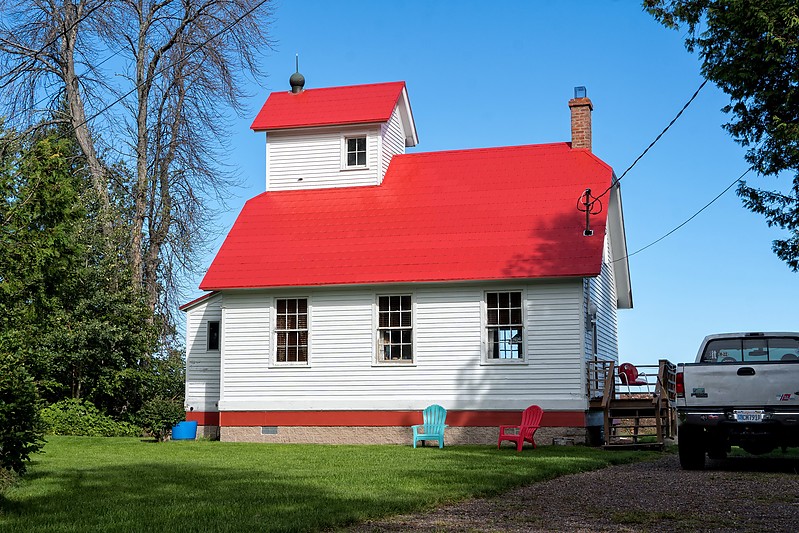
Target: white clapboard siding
(602, 291)
(448, 341)
(202, 365)
(246, 340)
(312, 158)
(393, 141)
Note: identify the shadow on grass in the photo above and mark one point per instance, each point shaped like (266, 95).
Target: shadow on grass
(154, 497)
(272, 488)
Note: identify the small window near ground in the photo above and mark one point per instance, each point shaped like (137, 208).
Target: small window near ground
(504, 326)
(291, 328)
(395, 329)
(213, 335)
(356, 151)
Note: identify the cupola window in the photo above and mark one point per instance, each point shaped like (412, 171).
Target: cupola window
(356, 151)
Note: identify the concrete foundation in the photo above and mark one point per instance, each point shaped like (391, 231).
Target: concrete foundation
(208, 432)
(384, 435)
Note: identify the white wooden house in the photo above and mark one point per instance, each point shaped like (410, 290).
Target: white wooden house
(366, 284)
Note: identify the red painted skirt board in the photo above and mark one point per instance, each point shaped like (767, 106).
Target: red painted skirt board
(377, 418)
(203, 418)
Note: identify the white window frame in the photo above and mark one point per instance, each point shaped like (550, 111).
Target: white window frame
(273, 357)
(344, 152)
(208, 336)
(378, 361)
(523, 360)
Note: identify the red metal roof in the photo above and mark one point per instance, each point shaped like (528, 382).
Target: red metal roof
(485, 214)
(357, 104)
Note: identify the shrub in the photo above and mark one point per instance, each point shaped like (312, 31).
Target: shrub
(158, 416)
(20, 426)
(80, 417)
(7, 479)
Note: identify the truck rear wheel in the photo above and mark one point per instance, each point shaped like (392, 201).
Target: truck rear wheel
(691, 446)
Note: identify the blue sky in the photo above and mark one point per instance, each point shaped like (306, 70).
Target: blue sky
(500, 73)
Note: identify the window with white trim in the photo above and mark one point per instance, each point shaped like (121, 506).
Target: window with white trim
(291, 330)
(213, 336)
(504, 326)
(355, 152)
(395, 329)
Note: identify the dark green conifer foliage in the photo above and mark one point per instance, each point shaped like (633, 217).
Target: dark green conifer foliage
(68, 308)
(750, 49)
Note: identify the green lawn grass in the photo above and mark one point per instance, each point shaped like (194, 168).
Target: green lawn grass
(123, 484)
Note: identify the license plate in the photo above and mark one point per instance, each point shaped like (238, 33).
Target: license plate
(748, 416)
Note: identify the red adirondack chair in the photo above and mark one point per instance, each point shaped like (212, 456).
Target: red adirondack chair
(531, 420)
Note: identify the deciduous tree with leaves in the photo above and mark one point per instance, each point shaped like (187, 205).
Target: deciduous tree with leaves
(751, 51)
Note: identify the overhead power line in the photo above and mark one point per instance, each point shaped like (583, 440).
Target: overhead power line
(186, 56)
(95, 66)
(13, 74)
(669, 125)
(190, 53)
(162, 69)
(686, 221)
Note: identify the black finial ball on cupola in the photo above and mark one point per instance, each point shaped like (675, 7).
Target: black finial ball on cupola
(297, 82)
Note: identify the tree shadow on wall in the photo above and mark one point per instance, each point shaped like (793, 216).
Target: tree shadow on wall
(562, 249)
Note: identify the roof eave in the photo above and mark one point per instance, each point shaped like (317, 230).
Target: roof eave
(618, 247)
(459, 281)
(324, 125)
(197, 301)
(406, 115)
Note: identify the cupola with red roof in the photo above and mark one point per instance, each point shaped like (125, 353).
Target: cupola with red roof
(334, 137)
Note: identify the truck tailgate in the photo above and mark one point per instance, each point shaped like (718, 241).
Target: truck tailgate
(767, 384)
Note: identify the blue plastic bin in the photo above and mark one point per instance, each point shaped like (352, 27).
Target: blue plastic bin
(185, 431)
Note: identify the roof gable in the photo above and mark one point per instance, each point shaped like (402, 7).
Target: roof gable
(356, 104)
(486, 214)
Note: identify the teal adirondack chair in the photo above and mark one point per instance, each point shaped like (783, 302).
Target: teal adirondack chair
(433, 426)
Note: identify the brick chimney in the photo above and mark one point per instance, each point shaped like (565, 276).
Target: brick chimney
(581, 108)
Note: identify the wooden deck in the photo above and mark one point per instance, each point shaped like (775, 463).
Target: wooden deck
(635, 416)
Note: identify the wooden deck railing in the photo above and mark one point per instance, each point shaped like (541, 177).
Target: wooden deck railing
(634, 414)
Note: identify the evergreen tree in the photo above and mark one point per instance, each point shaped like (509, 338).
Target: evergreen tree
(68, 306)
(751, 51)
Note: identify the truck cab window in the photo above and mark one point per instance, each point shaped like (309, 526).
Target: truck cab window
(722, 351)
(751, 350)
(755, 350)
(783, 349)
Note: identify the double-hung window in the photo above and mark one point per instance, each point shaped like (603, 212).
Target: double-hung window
(355, 152)
(291, 330)
(504, 326)
(395, 329)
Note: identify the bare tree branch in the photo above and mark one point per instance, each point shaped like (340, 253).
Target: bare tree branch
(183, 60)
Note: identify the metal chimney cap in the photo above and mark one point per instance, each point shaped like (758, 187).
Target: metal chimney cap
(580, 92)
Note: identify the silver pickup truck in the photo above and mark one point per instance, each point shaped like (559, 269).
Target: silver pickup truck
(743, 390)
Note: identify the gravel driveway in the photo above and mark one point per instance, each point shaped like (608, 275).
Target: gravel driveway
(738, 494)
